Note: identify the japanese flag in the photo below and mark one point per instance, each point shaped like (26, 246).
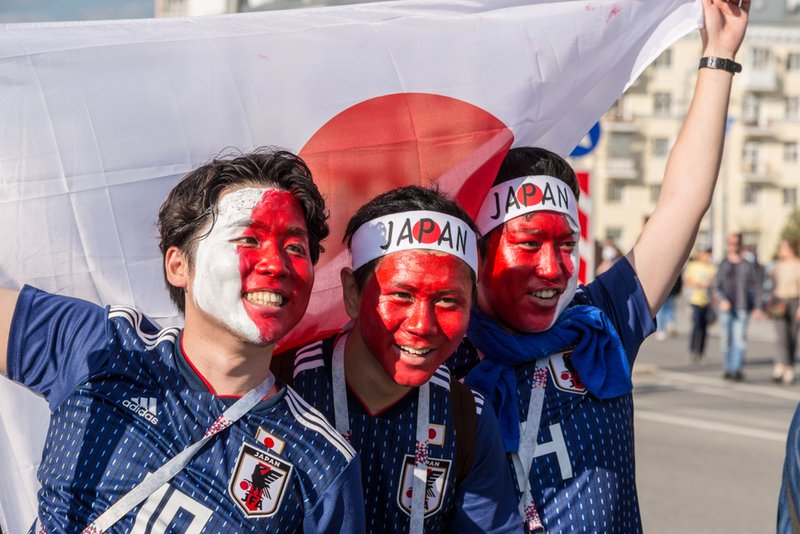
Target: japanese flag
(100, 120)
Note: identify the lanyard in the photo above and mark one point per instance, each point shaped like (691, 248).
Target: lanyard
(166, 472)
(342, 425)
(523, 459)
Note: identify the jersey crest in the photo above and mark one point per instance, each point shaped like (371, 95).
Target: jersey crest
(259, 481)
(435, 485)
(565, 377)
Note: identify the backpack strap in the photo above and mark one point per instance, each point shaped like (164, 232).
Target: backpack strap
(465, 419)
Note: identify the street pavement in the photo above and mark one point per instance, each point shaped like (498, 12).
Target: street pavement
(709, 451)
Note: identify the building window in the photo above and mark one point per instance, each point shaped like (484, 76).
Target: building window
(614, 192)
(662, 103)
(790, 197)
(751, 109)
(750, 156)
(752, 192)
(660, 147)
(614, 234)
(792, 107)
(761, 57)
(655, 190)
(751, 239)
(664, 61)
(793, 62)
(790, 152)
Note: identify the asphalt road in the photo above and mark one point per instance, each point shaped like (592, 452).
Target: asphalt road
(709, 451)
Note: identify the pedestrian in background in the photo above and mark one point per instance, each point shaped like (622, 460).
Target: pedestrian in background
(665, 318)
(784, 309)
(738, 291)
(699, 277)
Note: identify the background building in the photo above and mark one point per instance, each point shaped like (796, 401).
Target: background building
(760, 173)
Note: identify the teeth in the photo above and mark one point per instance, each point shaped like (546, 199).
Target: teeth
(264, 298)
(415, 352)
(545, 293)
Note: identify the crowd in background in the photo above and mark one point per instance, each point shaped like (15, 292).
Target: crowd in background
(729, 293)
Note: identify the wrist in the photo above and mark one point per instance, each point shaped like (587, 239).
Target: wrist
(718, 63)
(721, 52)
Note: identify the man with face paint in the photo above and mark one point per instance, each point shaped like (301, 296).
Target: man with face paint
(555, 358)
(382, 383)
(186, 428)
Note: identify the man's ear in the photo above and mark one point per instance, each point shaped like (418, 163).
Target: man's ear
(177, 268)
(350, 293)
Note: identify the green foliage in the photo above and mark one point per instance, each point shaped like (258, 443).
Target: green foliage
(791, 230)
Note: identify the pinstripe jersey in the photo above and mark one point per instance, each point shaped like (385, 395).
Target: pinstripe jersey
(386, 442)
(582, 475)
(125, 400)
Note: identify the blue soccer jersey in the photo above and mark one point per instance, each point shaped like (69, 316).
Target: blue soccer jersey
(582, 476)
(125, 400)
(386, 442)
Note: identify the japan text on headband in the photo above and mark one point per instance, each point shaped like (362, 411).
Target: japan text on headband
(412, 230)
(524, 195)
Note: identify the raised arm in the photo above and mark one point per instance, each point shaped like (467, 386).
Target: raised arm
(694, 162)
(8, 301)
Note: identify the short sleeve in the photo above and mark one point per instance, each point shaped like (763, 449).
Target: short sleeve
(340, 507)
(55, 343)
(619, 294)
(486, 501)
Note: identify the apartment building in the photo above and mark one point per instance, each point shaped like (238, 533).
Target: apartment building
(760, 174)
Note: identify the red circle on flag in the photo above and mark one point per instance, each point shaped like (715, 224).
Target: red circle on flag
(387, 142)
(269, 442)
(431, 433)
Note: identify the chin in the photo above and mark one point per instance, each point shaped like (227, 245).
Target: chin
(411, 378)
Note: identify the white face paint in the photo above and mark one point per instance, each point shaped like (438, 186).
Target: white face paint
(217, 287)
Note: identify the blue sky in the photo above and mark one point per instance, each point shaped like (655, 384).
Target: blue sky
(57, 10)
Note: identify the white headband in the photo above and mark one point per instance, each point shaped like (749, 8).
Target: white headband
(525, 195)
(410, 230)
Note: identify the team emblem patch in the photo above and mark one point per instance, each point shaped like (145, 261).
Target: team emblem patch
(564, 374)
(435, 485)
(259, 481)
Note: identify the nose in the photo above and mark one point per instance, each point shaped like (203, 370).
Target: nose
(422, 319)
(548, 262)
(271, 261)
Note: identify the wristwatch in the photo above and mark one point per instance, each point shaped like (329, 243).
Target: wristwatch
(720, 63)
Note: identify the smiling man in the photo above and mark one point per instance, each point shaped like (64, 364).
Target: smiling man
(431, 455)
(187, 429)
(556, 359)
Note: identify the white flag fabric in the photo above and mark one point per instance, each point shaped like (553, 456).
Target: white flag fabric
(99, 121)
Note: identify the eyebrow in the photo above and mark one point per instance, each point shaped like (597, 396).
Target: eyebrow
(292, 230)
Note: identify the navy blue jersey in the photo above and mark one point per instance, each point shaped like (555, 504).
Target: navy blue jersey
(483, 502)
(125, 400)
(582, 477)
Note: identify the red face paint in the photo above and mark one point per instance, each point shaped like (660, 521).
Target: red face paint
(414, 311)
(275, 265)
(528, 264)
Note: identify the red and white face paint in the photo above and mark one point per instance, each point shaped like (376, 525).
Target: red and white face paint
(414, 311)
(253, 271)
(530, 273)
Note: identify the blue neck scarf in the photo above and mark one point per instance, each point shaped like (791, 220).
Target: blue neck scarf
(598, 357)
